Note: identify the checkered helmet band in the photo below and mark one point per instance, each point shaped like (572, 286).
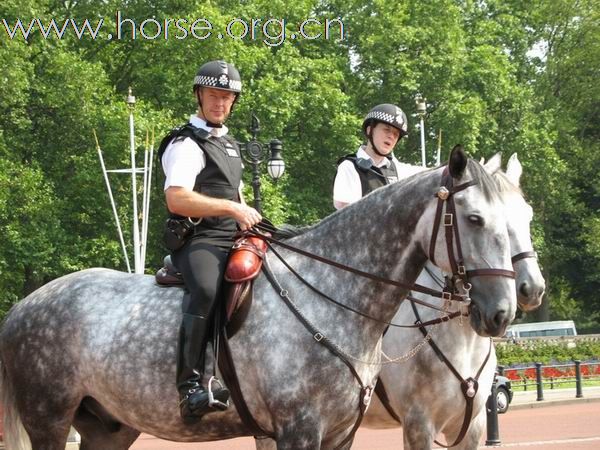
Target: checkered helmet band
(218, 75)
(222, 82)
(397, 120)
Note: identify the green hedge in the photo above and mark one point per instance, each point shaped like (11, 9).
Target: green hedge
(528, 352)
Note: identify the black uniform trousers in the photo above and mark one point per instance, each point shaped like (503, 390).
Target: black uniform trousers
(203, 266)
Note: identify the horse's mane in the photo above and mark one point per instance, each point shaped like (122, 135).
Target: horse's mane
(287, 231)
(489, 186)
(504, 184)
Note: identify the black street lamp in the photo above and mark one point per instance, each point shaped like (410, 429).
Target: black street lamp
(253, 154)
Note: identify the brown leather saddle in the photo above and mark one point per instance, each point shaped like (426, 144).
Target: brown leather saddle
(243, 265)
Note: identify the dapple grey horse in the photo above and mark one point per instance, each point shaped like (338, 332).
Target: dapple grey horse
(421, 391)
(96, 348)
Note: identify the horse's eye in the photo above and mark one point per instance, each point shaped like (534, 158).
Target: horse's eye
(476, 220)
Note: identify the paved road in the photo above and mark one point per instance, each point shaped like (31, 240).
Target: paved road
(560, 422)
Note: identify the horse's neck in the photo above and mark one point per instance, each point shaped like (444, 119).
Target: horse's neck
(375, 235)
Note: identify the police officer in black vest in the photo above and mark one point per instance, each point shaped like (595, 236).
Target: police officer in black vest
(374, 164)
(203, 172)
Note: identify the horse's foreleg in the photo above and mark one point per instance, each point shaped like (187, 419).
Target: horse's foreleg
(418, 431)
(299, 433)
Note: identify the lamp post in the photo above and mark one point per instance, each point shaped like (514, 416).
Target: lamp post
(253, 153)
(421, 103)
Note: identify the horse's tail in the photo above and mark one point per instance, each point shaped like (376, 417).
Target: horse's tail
(15, 437)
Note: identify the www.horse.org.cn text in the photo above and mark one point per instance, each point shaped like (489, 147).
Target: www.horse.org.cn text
(272, 31)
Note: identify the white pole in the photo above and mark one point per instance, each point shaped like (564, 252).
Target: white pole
(421, 104)
(112, 203)
(147, 214)
(423, 157)
(439, 149)
(144, 217)
(136, 225)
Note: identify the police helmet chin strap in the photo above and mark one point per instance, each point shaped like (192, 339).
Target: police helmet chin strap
(373, 146)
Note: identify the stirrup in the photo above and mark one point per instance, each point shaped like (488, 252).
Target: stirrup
(212, 401)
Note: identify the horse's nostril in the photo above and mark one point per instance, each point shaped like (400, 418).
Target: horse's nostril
(500, 319)
(525, 289)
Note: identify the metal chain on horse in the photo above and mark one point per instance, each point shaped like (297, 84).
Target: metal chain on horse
(413, 351)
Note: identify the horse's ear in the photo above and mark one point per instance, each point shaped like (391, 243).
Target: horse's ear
(514, 169)
(457, 162)
(494, 163)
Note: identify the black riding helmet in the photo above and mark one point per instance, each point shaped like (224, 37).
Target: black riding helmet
(218, 75)
(385, 113)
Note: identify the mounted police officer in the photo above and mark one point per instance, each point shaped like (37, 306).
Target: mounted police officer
(374, 164)
(203, 172)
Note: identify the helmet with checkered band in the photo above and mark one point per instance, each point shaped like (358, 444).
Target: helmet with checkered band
(218, 75)
(387, 113)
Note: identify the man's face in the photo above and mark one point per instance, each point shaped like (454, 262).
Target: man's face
(385, 137)
(216, 104)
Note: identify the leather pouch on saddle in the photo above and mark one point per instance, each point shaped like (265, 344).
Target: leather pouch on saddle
(244, 264)
(176, 232)
(245, 259)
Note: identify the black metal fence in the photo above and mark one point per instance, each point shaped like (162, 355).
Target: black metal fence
(589, 371)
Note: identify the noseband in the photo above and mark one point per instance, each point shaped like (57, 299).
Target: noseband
(523, 255)
(460, 275)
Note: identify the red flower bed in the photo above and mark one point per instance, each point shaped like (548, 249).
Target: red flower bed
(552, 372)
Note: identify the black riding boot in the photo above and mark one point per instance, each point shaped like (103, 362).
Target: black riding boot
(194, 397)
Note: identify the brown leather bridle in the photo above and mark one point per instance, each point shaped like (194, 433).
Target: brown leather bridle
(460, 274)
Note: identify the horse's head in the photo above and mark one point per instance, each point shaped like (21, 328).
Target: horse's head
(480, 243)
(530, 283)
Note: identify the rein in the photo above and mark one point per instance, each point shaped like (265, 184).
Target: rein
(257, 231)
(366, 391)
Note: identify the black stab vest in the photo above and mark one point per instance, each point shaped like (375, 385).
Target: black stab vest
(220, 178)
(373, 177)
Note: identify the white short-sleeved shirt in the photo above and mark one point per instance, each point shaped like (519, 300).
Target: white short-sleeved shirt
(347, 187)
(182, 161)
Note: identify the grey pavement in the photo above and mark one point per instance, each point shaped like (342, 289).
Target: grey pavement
(528, 399)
